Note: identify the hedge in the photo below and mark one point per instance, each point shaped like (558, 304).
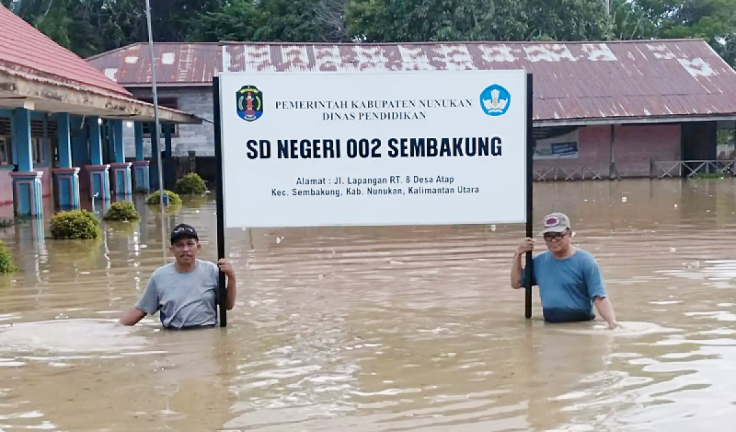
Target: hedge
(155, 198)
(191, 184)
(122, 211)
(75, 224)
(6, 260)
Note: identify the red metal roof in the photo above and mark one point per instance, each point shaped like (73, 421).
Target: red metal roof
(572, 80)
(25, 48)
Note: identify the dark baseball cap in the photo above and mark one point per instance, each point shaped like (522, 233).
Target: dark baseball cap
(183, 231)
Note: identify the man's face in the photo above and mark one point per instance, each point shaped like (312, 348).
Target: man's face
(185, 250)
(558, 242)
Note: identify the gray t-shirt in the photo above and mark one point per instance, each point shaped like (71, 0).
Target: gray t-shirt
(184, 299)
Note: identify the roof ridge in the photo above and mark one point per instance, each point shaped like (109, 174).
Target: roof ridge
(458, 42)
(113, 51)
(420, 43)
(26, 47)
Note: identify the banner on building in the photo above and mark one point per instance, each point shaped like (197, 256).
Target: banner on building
(559, 147)
(373, 148)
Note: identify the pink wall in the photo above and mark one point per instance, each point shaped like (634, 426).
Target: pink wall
(634, 146)
(6, 189)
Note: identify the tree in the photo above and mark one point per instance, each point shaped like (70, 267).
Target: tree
(711, 20)
(445, 20)
(89, 27)
(275, 21)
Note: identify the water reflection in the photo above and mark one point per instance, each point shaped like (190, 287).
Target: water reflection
(384, 329)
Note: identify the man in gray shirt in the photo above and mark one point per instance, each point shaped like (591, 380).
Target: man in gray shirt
(185, 291)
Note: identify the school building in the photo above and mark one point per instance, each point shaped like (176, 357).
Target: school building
(601, 110)
(62, 122)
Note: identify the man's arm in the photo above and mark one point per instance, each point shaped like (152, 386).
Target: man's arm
(132, 317)
(147, 305)
(232, 292)
(605, 309)
(597, 292)
(232, 286)
(526, 246)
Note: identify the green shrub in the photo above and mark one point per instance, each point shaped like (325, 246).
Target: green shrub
(90, 215)
(122, 211)
(5, 223)
(6, 260)
(191, 184)
(75, 224)
(155, 198)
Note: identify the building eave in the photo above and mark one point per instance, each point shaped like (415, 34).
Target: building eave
(633, 120)
(44, 94)
(166, 85)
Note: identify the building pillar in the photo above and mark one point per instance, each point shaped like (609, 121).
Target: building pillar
(168, 174)
(122, 184)
(168, 131)
(153, 179)
(99, 176)
(66, 176)
(27, 188)
(141, 174)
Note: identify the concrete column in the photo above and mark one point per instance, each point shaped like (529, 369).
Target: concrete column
(66, 176)
(141, 174)
(168, 130)
(27, 188)
(120, 169)
(99, 176)
(138, 128)
(21, 133)
(169, 174)
(154, 158)
(95, 141)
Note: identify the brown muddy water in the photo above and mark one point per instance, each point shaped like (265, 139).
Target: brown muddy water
(386, 329)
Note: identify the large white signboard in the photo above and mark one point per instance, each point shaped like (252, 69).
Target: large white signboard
(366, 148)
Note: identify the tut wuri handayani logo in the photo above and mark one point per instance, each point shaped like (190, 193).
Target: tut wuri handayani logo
(495, 100)
(249, 103)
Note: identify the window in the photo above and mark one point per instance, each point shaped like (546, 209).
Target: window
(726, 140)
(167, 102)
(37, 147)
(6, 151)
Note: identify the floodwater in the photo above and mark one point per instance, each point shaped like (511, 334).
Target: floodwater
(385, 329)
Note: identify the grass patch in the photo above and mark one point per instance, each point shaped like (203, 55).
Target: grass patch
(705, 176)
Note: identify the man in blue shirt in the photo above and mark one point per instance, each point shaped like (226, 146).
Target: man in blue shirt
(569, 278)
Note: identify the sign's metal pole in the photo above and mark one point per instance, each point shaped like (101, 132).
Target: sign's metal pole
(222, 290)
(529, 188)
(157, 127)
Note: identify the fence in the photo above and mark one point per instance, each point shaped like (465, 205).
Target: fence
(691, 168)
(206, 167)
(581, 172)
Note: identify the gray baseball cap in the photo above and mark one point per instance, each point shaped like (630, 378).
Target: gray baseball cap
(555, 223)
